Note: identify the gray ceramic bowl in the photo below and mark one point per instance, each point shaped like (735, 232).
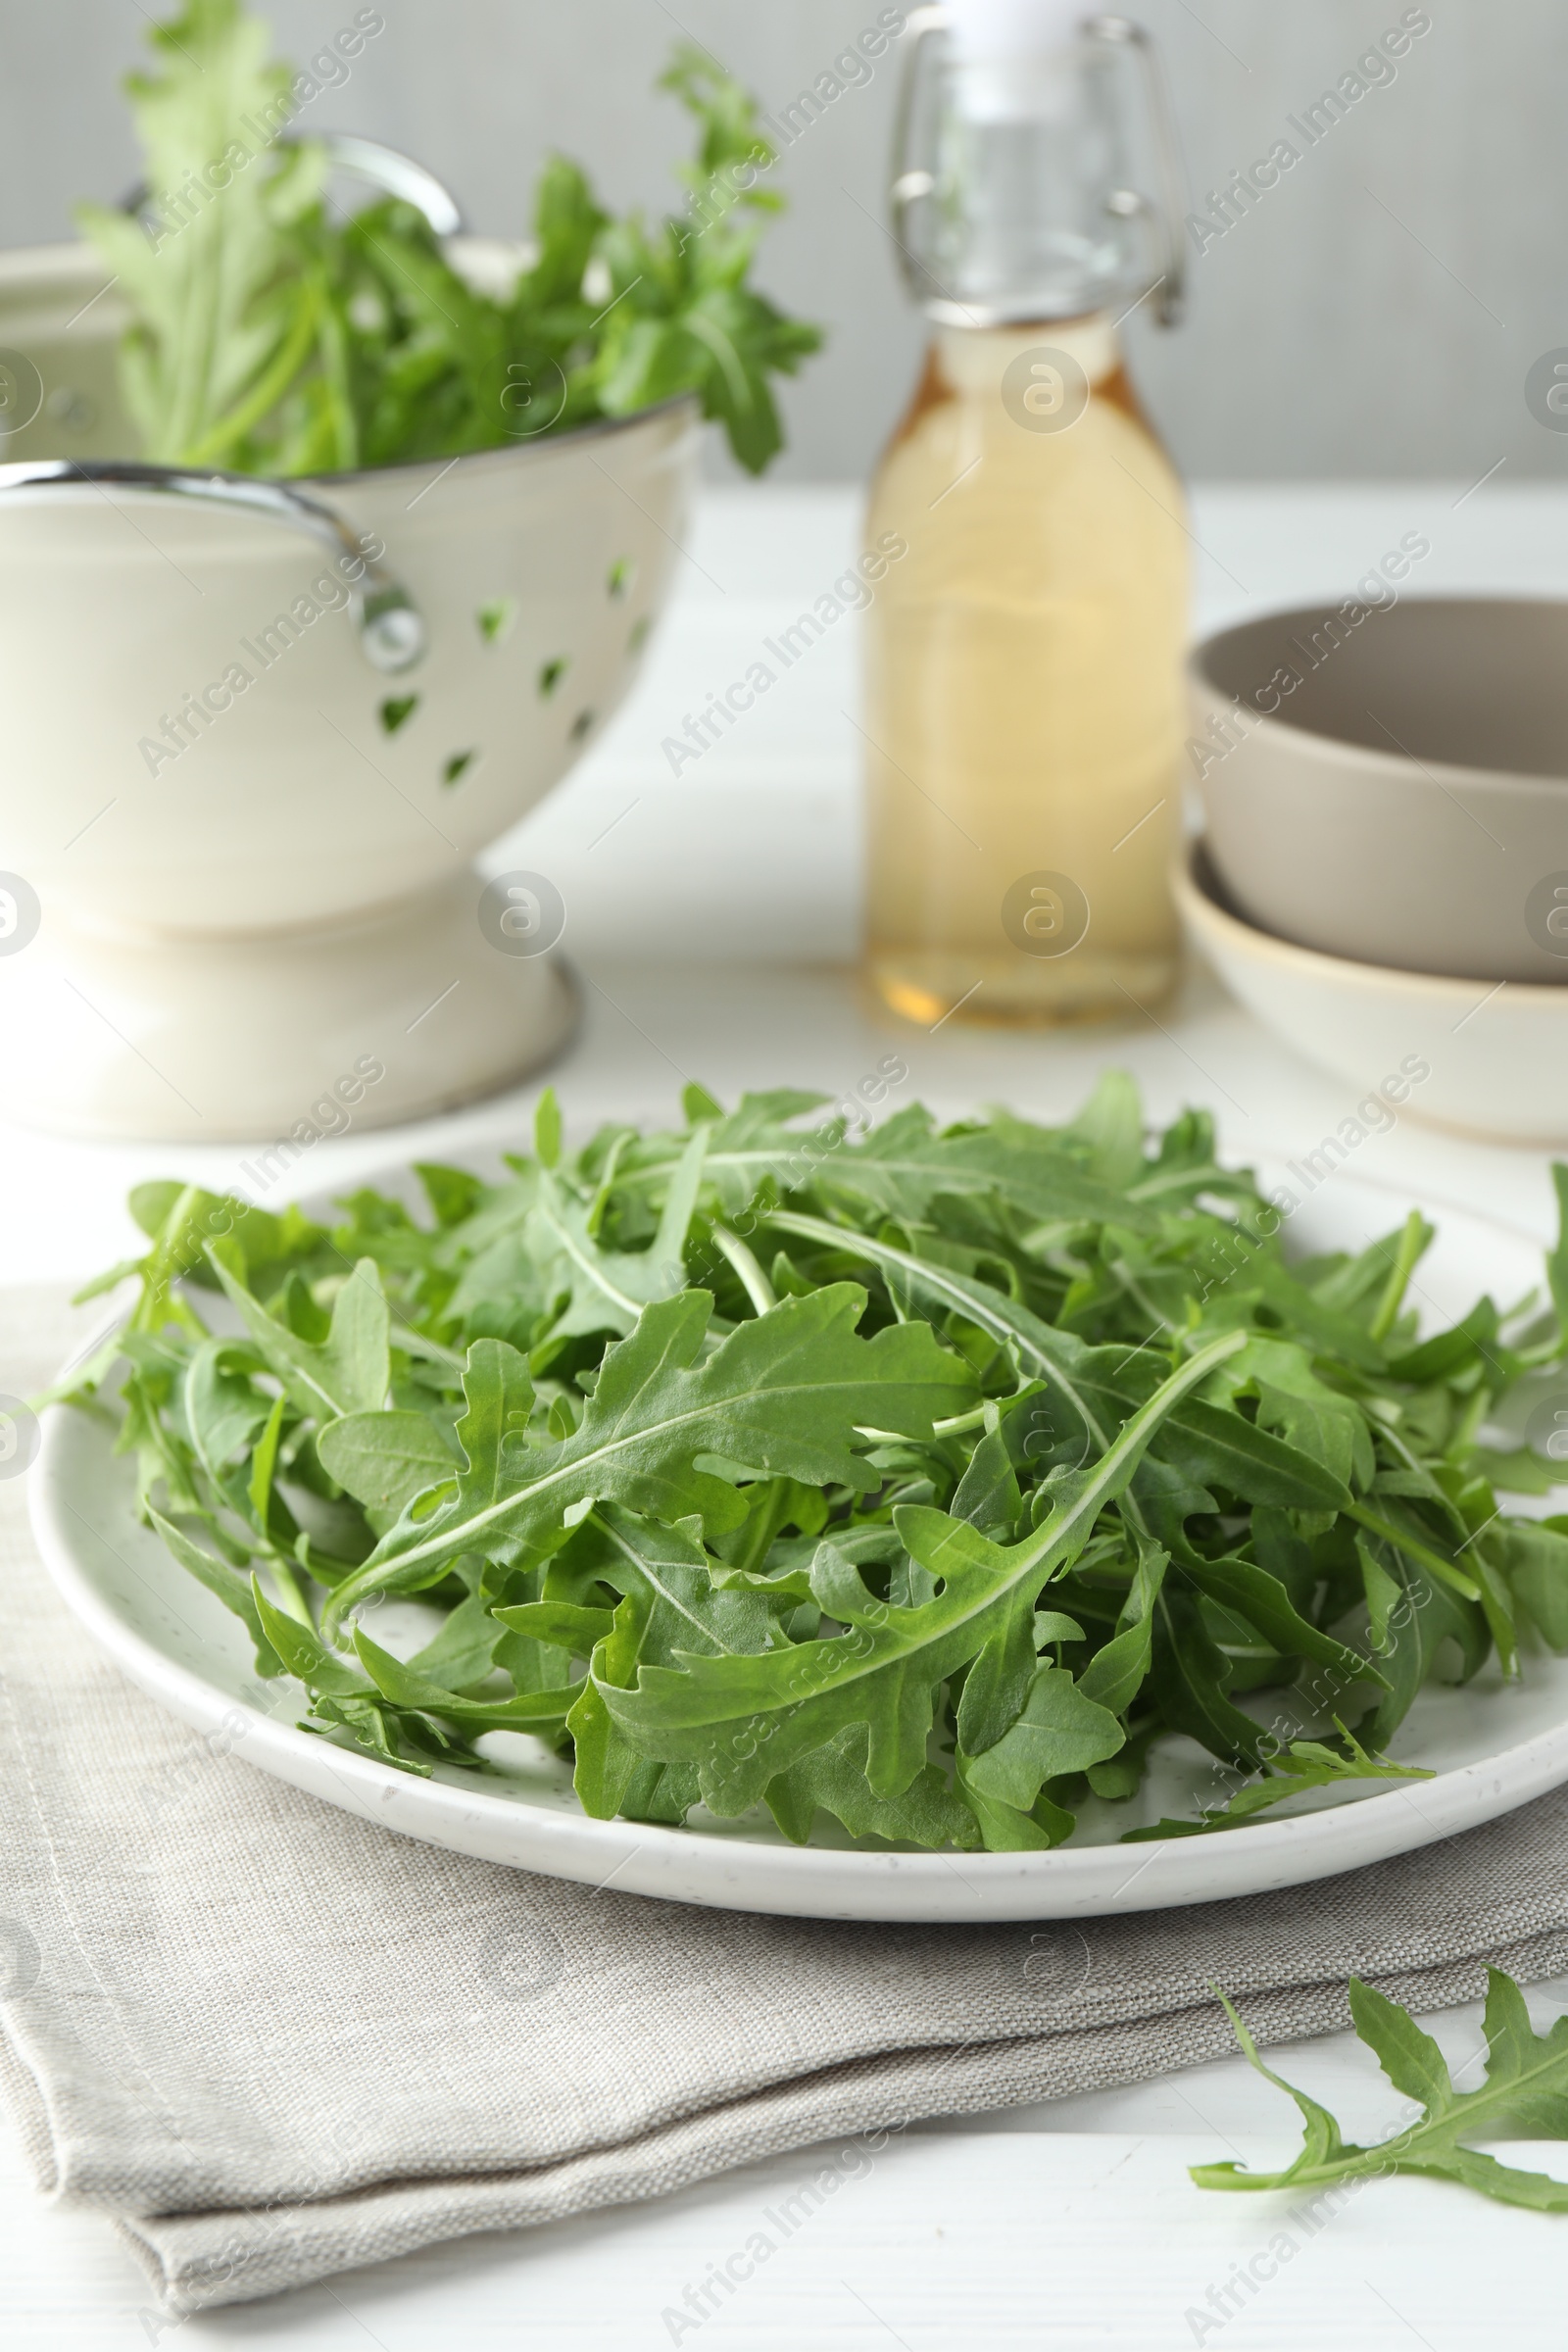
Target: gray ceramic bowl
(1391, 783)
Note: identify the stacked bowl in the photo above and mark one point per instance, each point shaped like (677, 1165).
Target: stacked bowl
(1383, 878)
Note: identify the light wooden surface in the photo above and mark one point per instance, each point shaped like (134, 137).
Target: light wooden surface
(1032, 2237)
(1063, 2228)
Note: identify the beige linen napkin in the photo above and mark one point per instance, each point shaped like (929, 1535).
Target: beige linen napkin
(272, 2041)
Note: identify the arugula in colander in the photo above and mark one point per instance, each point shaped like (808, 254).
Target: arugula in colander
(270, 338)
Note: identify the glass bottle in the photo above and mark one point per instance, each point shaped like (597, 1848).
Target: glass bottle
(1025, 703)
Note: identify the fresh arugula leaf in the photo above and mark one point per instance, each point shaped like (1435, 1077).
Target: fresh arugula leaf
(1525, 2093)
(347, 1372)
(227, 306)
(904, 1166)
(1225, 1450)
(228, 1585)
(1191, 1679)
(1252, 1592)
(783, 1391)
(541, 1712)
(607, 1290)
(1303, 1767)
(832, 1779)
(1058, 1731)
(342, 1699)
(1537, 1568)
(386, 1460)
(668, 1608)
(742, 1720)
(1115, 1673)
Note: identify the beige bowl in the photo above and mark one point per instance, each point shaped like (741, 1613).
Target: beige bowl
(1389, 781)
(1488, 1058)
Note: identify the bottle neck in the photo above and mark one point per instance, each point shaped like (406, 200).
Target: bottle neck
(973, 360)
(1029, 223)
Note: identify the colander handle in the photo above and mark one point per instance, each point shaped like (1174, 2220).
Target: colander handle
(392, 633)
(384, 168)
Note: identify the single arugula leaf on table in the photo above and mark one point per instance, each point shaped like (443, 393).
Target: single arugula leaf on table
(1525, 2095)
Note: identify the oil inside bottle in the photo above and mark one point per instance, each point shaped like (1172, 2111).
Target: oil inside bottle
(1025, 710)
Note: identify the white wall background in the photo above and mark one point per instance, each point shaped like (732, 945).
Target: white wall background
(1377, 315)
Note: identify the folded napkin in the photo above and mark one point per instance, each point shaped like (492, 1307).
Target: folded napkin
(272, 2041)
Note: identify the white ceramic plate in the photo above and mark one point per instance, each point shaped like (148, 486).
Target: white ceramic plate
(1491, 1749)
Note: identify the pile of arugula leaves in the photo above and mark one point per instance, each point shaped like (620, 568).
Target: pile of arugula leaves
(922, 1479)
(270, 338)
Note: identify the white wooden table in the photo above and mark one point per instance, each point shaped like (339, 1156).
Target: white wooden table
(713, 919)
